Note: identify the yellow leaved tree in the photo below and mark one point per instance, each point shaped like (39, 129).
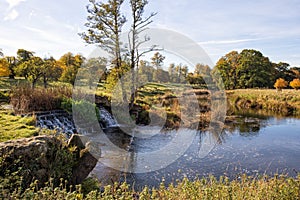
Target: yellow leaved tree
(295, 84)
(280, 84)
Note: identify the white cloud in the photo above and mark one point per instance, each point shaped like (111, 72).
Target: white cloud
(13, 3)
(11, 15)
(227, 41)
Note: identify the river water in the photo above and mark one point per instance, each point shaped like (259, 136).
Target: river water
(248, 145)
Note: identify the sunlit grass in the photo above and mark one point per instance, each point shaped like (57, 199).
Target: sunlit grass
(267, 99)
(267, 188)
(15, 127)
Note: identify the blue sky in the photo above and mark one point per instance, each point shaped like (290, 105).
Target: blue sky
(50, 27)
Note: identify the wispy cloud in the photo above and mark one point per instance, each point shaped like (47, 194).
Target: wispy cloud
(13, 3)
(227, 41)
(12, 15)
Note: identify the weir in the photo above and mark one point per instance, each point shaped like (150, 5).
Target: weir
(62, 121)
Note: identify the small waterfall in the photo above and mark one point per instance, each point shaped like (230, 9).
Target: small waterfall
(56, 120)
(106, 119)
(62, 121)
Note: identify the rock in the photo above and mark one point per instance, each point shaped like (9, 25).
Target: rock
(44, 157)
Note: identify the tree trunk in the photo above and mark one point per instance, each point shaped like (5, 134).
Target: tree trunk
(45, 82)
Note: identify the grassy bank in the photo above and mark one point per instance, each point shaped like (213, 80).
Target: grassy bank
(286, 102)
(277, 187)
(15, 127)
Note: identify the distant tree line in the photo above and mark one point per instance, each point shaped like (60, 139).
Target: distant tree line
(248, 69)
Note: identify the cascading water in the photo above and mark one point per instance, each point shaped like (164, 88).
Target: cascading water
(106, 119)
(56, 120)
(63, 122)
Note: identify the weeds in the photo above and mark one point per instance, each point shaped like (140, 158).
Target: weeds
(277, 187)
(24, 99)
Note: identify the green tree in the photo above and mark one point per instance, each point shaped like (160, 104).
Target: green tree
(1, 53)
(50, 71)
(145, 71)
(227, 66)
(172, 73)
(282, 71)
(24, 55)
(254, 70)
(95, 70)
(157, 61)
(248, 69)
(12, 66)
(31, 69)
(295, 72)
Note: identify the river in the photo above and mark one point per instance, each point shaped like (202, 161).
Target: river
(248, 145)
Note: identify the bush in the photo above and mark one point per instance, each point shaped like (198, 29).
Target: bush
(295, 84)
(280, 84)
(25, 99)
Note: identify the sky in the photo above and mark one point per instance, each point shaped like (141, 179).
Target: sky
(50, 28)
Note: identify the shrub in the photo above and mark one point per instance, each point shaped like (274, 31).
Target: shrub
(25, 99)
(295, 84)
(280, 84)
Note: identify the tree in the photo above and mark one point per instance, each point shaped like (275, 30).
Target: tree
(24, 55)
(50, 71)
(157, 62)
(1, 53)
(254, 70)
(4, 70)
(282, 71)
(145, 71)
(12, 66)
(248, 69)
(280, 84)
(172, 73)
(95, 70)
(70, 65)
(139, 24)
(31, 69)
(295, 84)
(227, 66)
(295, 72)
(105, 22)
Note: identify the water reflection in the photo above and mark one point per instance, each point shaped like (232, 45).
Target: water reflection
(248, 145)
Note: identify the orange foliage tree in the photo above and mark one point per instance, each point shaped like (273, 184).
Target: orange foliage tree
(295, 83)
(280, 84)
(4, 71)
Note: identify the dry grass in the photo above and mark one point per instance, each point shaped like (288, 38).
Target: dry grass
(286, 102)
(24, 99)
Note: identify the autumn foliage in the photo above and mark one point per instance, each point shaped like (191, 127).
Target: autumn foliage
(280, 84)
(295, 84)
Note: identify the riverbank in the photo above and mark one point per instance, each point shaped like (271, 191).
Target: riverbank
(285, 102)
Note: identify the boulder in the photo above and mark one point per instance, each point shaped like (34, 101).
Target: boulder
(43, 157)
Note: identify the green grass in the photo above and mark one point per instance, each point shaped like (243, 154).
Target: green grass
(15, 127)
(267, 188)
